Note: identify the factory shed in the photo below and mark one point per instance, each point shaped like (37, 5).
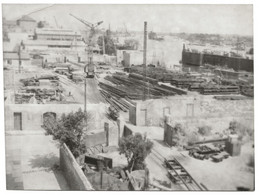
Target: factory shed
(57, 44)
(57, 34)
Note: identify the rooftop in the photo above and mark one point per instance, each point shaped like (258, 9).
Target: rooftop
(15, 56)
(48, 42)
(49, 31)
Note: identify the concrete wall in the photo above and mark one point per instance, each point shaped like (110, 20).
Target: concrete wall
(74, 175)
(200, 110)
(32, 114)
(95, 139)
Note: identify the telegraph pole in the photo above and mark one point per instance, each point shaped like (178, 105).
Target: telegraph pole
(145, 59)
(19, 55)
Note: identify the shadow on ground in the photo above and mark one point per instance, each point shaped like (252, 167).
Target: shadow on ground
(50, 163)
(161, 142)
(44, 161)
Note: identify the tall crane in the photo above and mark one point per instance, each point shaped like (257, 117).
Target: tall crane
(89, 68)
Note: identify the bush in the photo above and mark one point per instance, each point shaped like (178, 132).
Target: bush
(69, 129)
(135, 148)
(204, 130)
(243, 132)
(193, 137)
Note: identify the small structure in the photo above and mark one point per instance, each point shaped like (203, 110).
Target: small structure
(26, 23)
(233, 146)
(12, 58)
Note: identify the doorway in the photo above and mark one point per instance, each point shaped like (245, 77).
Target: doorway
(17, 121)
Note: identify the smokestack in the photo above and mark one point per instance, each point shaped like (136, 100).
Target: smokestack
(145, 58)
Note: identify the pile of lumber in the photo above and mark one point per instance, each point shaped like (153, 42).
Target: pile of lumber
(158, 73)
(141, 77)
(229, 97)
(219, 89)
(22, 98)
(185, 82)
(120, 89)
(204, 151)
(247, 90)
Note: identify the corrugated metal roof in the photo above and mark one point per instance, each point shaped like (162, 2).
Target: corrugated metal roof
(15, 56)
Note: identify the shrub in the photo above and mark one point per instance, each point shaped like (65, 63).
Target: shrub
(204, 130)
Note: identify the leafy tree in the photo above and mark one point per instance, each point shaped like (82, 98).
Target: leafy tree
(40, 24)
(241, 130)
(204, 130)
(135, 148)
(70, 129)
(109, 44)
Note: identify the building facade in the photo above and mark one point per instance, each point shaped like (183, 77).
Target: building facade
(27, 24)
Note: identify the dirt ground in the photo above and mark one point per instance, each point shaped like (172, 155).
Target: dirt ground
(31, 160)
(226, 175)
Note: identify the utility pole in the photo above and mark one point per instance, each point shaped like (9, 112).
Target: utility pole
(103, 45)
(19, 55)
(92, 32)
(145, 59)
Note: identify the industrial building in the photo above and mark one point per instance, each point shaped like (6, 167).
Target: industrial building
(56, 34)
(12, 58)
(26, 23)
(55, 39)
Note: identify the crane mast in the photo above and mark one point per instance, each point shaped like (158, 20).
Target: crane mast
(92, 27)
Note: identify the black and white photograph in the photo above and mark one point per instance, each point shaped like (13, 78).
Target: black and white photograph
(128, 97)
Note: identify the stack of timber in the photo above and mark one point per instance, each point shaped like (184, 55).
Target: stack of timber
(141, 77)
(221, 89)
(186, 82)
(158, 73)
(247, 90)
(23, 98)
(173, 89)
(120, 89)
(229, 97)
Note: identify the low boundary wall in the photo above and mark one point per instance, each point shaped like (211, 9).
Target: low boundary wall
(74, 175)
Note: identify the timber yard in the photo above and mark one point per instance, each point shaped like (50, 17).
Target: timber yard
(191, 96)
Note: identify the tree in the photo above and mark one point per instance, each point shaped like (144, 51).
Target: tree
(40, 24)
(109, 44)
(204, 130)
(135, 148)
(69, 129)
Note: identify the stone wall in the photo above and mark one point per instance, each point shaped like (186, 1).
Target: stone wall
(193, 110)
(32, 114)
(74, 175)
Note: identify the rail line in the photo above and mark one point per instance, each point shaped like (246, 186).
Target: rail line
(177, 173)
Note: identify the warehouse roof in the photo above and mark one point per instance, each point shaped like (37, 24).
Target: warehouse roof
(15, 56)
(49, 42)
(56, 32)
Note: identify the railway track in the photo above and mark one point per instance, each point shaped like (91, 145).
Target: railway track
(177, 173)
(93, 94)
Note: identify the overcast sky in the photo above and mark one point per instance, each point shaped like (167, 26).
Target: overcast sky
(220, 19)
